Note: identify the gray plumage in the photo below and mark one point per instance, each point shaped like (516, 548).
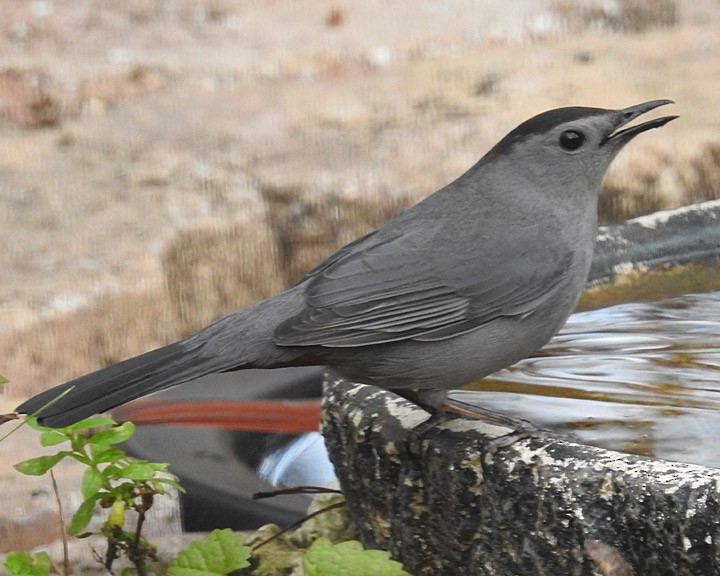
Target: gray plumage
(472, 279)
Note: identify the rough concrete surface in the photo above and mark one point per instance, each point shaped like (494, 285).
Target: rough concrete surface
(466, 497)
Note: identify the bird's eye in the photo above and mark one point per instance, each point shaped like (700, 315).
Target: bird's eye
(571, 140)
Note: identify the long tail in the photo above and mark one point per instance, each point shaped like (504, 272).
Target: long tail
(109, 387)
(244, 339)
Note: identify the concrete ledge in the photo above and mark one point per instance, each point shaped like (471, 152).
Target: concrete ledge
(450, 501)
(687, 235)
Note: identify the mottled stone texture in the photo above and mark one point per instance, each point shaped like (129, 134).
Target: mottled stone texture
(455, 500)
(687, 235)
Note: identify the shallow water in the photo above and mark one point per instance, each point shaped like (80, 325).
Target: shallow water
(641, 378)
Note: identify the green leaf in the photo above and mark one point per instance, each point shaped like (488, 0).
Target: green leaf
(221, 552)
(139, 471)
(111, 470)
(82, 516)
(94, 422)
(113, 435)
(23, 564)
(170, 482)
(52, 437)
(349, 558)
(38, 466)
(92, 481)
(3, 380)
(102, 453)
(33, 423)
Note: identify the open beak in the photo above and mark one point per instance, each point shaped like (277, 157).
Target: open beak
(622, 137)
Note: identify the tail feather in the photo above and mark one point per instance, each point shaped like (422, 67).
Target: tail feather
(244, 339)
(109, 387)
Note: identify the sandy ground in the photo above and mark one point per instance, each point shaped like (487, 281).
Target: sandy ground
(267, 133)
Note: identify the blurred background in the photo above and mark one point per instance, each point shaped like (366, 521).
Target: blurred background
(164, 162)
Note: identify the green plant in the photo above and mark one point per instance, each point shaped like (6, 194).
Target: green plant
(117, 483)
(111, 480)
(222, 552)
(24, 564)
(324, 558)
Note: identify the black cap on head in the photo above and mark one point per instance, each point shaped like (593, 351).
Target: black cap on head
(545, 121)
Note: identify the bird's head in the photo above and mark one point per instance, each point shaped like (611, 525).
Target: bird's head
(574, 145)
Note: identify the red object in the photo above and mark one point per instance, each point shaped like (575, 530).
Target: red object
(292, 417)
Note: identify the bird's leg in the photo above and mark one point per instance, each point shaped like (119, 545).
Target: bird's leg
(521, 429)
(442, 409)
(432, 402)
(474, 412)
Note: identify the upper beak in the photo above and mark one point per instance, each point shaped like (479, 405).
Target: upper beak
(622, 137)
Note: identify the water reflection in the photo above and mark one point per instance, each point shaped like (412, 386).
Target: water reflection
(641, 378)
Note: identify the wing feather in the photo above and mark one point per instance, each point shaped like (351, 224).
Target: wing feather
(382, 290)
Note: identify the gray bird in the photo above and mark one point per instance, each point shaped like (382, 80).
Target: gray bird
(475, 277)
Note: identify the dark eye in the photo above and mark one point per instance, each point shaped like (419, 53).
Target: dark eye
(571, 140)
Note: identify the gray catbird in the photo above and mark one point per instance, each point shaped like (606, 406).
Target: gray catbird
(472, 279)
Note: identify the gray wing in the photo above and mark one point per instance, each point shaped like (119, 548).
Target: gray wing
(386, 290)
